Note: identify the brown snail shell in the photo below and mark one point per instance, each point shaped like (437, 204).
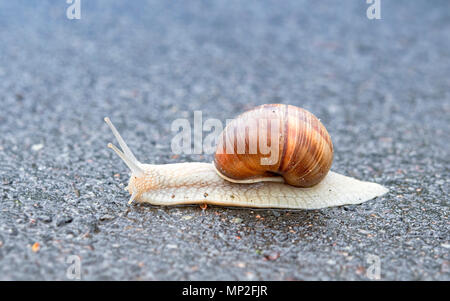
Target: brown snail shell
(301, 151)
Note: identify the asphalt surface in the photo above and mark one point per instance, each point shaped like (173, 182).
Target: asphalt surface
(381, 87)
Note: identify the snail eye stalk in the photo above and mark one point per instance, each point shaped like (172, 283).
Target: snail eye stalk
(135, 169)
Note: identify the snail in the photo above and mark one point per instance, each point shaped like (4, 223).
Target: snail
(273, 156)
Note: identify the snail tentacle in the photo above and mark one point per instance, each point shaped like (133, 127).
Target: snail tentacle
(122, 143)
(135, 169)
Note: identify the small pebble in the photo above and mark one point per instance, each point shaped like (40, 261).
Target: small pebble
(45, 218)
(35, 247)
(106, 217)
(272, 256)
(236, 220)
(37, 147)
(64, 220)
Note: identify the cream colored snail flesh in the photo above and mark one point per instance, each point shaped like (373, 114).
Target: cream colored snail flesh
(295, 174)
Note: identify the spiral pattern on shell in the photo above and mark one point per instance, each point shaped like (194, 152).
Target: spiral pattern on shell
(275, 139)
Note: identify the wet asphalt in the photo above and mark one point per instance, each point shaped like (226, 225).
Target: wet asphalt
(381, 87)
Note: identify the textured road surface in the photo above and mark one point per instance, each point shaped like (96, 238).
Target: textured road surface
(381, 87)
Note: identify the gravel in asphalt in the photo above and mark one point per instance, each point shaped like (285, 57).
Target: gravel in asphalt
(381, 87)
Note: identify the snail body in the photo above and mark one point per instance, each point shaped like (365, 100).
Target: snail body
(199, 183)
(277, 183)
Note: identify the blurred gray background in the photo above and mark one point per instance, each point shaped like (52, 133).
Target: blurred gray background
(381, 87)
